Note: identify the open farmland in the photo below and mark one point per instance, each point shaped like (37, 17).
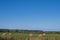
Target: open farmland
(26, 36)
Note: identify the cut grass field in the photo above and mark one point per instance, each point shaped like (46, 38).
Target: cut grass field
(25, 36)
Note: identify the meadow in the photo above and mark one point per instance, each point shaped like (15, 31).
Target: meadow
(28, 36)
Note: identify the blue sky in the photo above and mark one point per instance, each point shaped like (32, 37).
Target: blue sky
(30, 14)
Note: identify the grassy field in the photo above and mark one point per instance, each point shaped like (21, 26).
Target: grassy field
(26, 36)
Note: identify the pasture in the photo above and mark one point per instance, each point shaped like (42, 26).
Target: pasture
(26, 36)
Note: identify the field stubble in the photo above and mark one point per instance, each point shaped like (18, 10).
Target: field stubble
(25, 36)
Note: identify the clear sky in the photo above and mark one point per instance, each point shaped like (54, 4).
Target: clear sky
(30, 14)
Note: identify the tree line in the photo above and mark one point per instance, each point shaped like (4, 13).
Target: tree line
(27, 31)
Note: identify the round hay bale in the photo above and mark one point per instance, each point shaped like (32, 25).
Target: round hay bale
(40, 35)
(10, 33)
(4, 34)
(44, 34)
(30, 34)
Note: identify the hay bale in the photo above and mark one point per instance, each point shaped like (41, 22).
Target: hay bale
(4, 34)
(44, 34)
(10, 33)
(30, 34)
(40, 35)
